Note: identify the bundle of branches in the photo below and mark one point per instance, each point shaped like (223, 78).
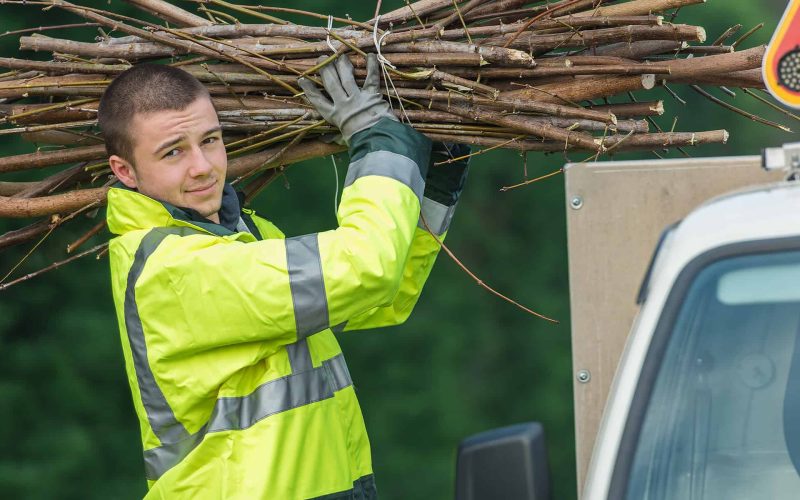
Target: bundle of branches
(519, 74)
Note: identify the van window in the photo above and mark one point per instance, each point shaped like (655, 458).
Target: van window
(723, 420)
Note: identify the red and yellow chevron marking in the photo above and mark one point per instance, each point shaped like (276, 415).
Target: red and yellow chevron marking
(781, 67)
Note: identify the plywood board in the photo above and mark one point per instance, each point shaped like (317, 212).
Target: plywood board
(615, 214)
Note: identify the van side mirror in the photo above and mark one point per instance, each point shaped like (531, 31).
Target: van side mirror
(510, 462)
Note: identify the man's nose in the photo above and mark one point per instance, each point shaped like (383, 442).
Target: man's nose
(201, 164)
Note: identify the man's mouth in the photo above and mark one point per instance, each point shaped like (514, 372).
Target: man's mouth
(202, 189)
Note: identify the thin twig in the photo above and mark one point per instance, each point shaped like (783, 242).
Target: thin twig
(460, 17)
(479, 281)
(536, 18)
(531, 181)
(245, 10)
(673, 94)
(287, 10)
(727, 34)
(479, 152)
(275, 157)
(53, 225)
(747, 35)
(86, 236)
(100, 249)
(739, 111)
(771, 104)
(47, 28)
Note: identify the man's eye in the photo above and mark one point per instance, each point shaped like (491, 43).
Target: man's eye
(210, 140)
(172, 153)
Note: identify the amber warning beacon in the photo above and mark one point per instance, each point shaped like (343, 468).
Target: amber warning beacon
(782, 61)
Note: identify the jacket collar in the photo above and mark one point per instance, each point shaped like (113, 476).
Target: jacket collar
(130, 210)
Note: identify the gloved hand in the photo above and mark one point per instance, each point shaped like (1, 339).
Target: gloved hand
(445, 182)
(352, 109)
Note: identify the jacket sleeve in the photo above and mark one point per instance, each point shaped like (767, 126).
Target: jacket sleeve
(421, 256)
(211, 292)
(447, 174)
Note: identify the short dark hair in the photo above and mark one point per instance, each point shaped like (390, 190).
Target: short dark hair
(144, 88)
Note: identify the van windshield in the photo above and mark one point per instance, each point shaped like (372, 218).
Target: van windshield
(723, 420)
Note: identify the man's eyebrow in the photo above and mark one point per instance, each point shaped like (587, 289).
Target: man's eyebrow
(176, 140)
(168, 144)
(216, 128)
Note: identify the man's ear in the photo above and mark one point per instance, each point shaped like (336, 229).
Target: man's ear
(123, 170)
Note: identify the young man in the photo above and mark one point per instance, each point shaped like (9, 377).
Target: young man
(228, 328)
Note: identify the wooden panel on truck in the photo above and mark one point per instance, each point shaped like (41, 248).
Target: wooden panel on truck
(615, 214)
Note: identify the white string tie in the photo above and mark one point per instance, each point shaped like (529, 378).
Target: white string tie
(387, 79)
(328, 37)
(378, 43)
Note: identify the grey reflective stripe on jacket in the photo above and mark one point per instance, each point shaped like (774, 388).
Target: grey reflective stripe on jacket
(238, 413)
(304, 265)
(436, 215)
(162, 420)
(304, 386)
(387, 164)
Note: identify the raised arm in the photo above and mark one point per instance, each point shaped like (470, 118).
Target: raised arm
(443, 187)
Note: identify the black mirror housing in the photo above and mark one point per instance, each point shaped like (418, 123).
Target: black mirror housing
(509, 463)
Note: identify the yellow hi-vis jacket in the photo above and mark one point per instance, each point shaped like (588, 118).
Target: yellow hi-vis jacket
(240, 387)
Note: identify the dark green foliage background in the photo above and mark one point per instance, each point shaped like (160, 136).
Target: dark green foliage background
(465, 362)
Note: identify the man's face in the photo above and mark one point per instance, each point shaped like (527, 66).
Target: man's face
(178, 157)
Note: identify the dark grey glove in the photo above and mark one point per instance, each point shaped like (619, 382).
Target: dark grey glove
(443, 186)
(352, 109)
(445, 182)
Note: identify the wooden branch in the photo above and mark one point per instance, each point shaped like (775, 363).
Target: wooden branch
(749, 78)
(62, 138)
(508, 102)
(46, 113)
(707, 50)
(638, 50)
(583, 88)
(493, 8)
(570, 22)
(497, 55)
(649, 142)
(716, 64)
(542, 71)
(286, 31)
(628, 110)
(25, 234)
(420, 8)
(519, 123)
(130, 52)
(42, 159)
(47, 205)
(588, 38)
(623, 142)
(63, 68)
(170, 12)
(460, 11)
(66, 178)
(638, 7)
(12, 188)
(238, 167)
(210, 49)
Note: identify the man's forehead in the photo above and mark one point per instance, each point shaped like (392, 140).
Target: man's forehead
(201, 108)
(157, 125)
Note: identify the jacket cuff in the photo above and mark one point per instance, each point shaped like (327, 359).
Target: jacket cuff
(436, 215)
(393, 137)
